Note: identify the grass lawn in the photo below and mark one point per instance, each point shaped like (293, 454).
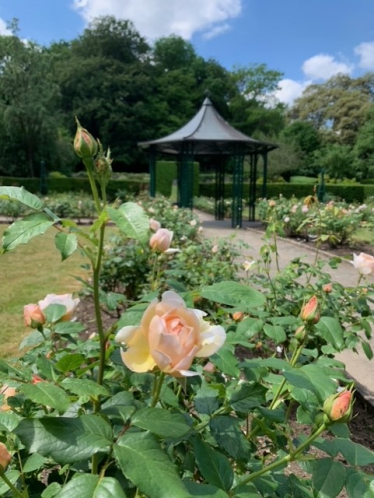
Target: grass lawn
(364, 235)
(28, 273)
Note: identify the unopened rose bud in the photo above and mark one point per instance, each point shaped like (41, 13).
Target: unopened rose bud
(209, 367)
(238, 316)
(338, 407)
(309, 312)
(103, 165)
(36, 379)
(5, 456)
(33, 316)
(84, 143)
(271, 204)
(327, 288)
(300, 333)
(161, 240)
(154, 225)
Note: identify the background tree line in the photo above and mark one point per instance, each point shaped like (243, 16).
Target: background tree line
(125, 91)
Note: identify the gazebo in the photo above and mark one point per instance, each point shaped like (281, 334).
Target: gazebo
(208, 134)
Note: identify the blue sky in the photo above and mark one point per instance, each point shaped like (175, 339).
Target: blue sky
(308, 41)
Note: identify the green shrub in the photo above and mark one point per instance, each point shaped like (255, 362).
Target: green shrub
(368, 181)
(303, 179)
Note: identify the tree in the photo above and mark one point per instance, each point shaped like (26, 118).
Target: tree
(337, 107)
(253, 108)
(306, 140)
(28, 104)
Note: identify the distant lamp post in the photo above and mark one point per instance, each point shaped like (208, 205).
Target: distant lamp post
(321, 187)
(43, 179)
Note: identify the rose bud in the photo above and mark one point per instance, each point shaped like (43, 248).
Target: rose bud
(84, 143)
(33, 316)
(237, 316)
(271, 204)
(301, 333)
(154, 225)
(338, 407)
(161, 240)
(309, 312)
(63, 299)
(327, 288)
(5, 456)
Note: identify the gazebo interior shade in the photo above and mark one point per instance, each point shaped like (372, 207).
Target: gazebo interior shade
(210, 134)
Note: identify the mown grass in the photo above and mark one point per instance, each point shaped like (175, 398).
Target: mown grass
(363, 235)
(28, 273)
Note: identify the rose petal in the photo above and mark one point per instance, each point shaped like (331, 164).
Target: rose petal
(211, 341)
(125, 334)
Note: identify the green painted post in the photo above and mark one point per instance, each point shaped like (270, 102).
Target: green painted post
(152, 173)
(220, 188)
(237, 194)
(265, 175)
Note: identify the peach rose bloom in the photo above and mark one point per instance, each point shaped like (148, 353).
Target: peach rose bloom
(63, 299)
(5, 456)
(161, 240)
(32, 313)
(7, 392)
(169, 337)
(364, 263)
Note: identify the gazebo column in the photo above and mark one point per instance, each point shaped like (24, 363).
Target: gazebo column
(152, 172)
(220, 188)
(265, 175)
(185, 177)
(252, 187)
(237, 193)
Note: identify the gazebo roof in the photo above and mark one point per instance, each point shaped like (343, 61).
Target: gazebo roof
(210, 134)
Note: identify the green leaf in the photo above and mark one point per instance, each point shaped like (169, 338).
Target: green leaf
(131, 220)
(66, 243)
(355, 454)
(328, 477)
(197, 490)
(367, 349)
(214, 466)
(144, 463)
(51, 491)
(226, 361)
(13, 476)
(34, 462)
(54, 312)
(69, 328)
(91, 486)
(248, 396)
(84, 387)
(20, 232)
(20, 194)
(233, 294)
(66, 440)
(227, 433)
(312, 378)
(70, 362)
(161, 422)
(47, 395)
(331, 331)
(206, 400)
(359, 485)
(275, 332)
(8, 421)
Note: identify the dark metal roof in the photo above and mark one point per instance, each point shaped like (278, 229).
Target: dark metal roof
(210, 134)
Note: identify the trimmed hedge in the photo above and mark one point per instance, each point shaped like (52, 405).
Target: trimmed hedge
(62, 185)
(167, 172)
(350, 193)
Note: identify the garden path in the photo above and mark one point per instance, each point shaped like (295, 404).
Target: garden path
(358, 367)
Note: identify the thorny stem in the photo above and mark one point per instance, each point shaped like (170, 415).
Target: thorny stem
(276, 251)
(89, 163)
(288, 458)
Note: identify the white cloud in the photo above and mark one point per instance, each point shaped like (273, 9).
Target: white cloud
(366, 53)
(289, 90)
(4, 31)
(323, 67)
(216, 30)
(156, 18)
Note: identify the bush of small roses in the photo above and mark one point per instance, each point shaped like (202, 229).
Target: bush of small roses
(333, 223)
(160, 406)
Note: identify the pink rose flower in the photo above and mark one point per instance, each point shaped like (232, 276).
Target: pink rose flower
(5, 456)
(33, 315)
(161, 240)
(169, 337)
(63, 299)
(364, 263)
(154, 225)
